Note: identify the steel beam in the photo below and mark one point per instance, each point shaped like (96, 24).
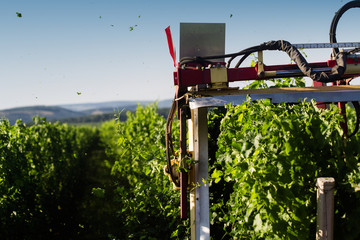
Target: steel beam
(199, 196)
(327, 94)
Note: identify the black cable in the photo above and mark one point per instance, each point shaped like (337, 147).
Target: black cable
(334, 23)
(242, 60)
(198, 60)
(205, 60)
(333, 26)
(353, 51)
(242, 52)
(336, 72)
(169, 143)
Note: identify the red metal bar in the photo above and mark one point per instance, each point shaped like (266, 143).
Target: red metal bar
(319, 104)
(183, 195)
(191, 76)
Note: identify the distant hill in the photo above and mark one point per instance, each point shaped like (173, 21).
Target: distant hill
(107, 107)
(27, 113)
(77, 113)
(96, 118)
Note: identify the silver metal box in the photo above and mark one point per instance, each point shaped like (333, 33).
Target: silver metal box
(202, 39)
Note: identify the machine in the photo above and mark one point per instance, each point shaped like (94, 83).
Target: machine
(195, 74)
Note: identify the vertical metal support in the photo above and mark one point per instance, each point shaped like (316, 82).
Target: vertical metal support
(192, 179)
(199, 196)
(200, 39)
(325, 208)
(318, 84)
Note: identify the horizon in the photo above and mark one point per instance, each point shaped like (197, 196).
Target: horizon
(90, 103)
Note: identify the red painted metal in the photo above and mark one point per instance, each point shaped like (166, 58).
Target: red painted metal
(170, 43)
(319, 104)
(183, 195)
(192, 76)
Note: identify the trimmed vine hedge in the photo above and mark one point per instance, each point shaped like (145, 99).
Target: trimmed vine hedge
(271, 155)
(42, 179)
(146, 204)
(63, 182)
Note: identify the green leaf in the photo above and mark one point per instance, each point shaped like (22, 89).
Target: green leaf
(98, 192)
(216, 175)
(288, 148)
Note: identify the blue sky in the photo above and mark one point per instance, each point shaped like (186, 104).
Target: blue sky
(61, 48)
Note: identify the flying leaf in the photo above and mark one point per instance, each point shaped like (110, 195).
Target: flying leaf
(18, 14)
(133, 27)
(231, 15)
(78, 93)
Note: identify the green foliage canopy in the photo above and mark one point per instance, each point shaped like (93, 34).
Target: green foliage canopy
(272, 155)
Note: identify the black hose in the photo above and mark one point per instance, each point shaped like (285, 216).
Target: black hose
(297, 57)
(333, 26)
(206, 60)
(242, 60)
(338, 14)
(294, 54)
(169, 144)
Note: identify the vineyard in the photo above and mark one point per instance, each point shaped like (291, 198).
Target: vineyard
(64, 182)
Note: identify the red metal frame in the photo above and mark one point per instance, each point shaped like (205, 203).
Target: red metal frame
(192, 76)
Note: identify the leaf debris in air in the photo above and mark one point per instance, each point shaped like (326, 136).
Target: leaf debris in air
(132, 28)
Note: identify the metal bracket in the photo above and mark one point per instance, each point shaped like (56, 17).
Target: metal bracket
(218, 77)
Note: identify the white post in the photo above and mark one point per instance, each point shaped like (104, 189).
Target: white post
(325, 208)
(199, 196)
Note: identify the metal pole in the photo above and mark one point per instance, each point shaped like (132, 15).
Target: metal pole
(199, 196)
(325, 208)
